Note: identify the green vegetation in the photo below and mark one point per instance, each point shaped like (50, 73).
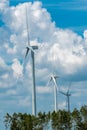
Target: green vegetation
(60, 120)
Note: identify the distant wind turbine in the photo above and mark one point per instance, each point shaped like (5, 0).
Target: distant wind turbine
(67, 94)
(31, 49)
(53, 78)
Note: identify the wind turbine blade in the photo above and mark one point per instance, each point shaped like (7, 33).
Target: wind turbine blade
(48, 82)
(63, 93)
(24, 60)
(26, 52)
(66, 102)
(69, 87)
(54, 80)
(23, 64)
(27, 26)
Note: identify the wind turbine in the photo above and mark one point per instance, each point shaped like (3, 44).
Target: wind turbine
(67, 94)
(31, 49)
(53, 78)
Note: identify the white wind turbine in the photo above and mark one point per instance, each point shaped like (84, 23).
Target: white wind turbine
(53, 78)
(67, 94)
(31, 49)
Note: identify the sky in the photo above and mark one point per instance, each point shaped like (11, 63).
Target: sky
(59, 28)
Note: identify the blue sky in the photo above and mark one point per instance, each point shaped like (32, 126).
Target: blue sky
(59, 28)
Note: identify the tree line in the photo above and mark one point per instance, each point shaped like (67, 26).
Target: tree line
(60, 120)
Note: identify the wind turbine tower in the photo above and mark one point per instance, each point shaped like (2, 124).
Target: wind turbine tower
(53, 78)
(31, 49)
(67, 94)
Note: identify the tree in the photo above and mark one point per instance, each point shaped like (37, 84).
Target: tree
(18, 121)
(83, 112)
(26, 121)
(60, 120)
(76, 118)
(55, 120)
(42, 121)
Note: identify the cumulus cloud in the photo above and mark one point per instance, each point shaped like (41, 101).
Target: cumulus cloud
(85, 34)
(17, 68)
(43, 89)
(5, 73)
(66, 53)
(65, 47)
(3, 4)
(62, 105)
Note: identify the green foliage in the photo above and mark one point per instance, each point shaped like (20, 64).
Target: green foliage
(83, 112)
(76, 117)
(55, 120)
(60, 120)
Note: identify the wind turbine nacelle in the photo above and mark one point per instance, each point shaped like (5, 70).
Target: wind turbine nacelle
(55, 76)
(34, 47)
(69, 94)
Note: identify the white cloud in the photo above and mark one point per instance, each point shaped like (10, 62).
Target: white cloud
(3, 4)
(17, 67)
(10, 50)
(44, 89)
(11, 92)
(65, 47)
(2, 63)
(4, 76)
(62, 105)
(7, 78)
(85, 34)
